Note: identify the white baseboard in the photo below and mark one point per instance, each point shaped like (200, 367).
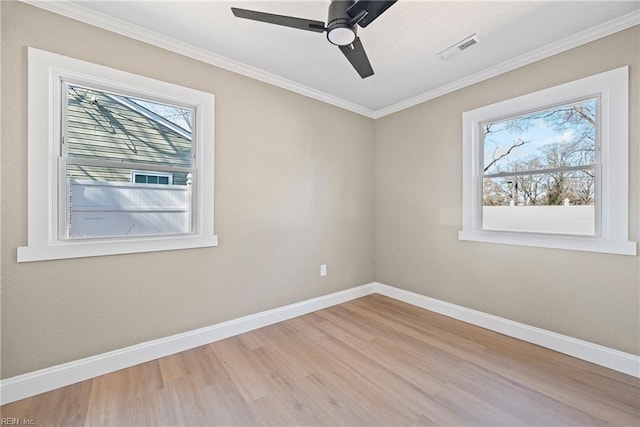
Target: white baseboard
(43, 380)
(33, 383)
(594, 353)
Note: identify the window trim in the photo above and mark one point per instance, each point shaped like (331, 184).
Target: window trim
(613, 89)
(47, 72)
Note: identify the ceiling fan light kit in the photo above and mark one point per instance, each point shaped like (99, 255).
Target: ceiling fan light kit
(341, 36)
(343, 20)
(340, 31)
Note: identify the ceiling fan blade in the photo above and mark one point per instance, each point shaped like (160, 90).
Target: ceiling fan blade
(374, 8)
(287, 21)
(358, 58)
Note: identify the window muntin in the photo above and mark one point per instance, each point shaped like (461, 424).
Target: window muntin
(541, 159)
(104, 135)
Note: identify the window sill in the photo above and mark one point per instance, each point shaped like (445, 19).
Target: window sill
(82, 249)
(585, 244)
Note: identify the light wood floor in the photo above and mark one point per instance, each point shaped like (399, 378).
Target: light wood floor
(371, 361)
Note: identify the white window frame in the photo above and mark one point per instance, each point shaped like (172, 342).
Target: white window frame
(47, 72)
(612, 205)
(151, 173)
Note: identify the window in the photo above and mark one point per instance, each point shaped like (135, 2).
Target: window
(104, 135)
(540, 170)
(549, 168)
(151, 178)
(118, 163)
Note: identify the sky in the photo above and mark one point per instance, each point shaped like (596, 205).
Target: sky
(540, 134)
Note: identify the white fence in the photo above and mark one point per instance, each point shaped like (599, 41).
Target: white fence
(103, 209)
(541, 219)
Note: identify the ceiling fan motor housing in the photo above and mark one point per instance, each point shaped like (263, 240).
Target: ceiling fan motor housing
(344, 18)
(339, 32)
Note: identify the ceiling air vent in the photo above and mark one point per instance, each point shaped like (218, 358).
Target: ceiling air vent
(459, 47)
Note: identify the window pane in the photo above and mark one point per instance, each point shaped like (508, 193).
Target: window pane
(106, 126)
(163, 180)
(103, 202)
(556, 137)
(561, 202)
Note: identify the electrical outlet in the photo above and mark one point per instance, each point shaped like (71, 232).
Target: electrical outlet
(323, 270)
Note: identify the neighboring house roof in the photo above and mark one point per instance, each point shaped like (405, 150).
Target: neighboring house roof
(150, 114)
(101, 125)
(111, 127)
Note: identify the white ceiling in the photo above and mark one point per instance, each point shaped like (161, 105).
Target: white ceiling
(401, 44)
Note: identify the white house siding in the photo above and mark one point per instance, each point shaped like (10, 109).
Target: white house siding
(102, 209)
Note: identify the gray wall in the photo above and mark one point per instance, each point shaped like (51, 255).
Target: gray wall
(418, 161)
(294, 189)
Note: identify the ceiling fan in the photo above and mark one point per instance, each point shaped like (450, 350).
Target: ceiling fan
(341, 28)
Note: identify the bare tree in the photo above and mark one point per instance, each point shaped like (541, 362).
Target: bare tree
(497, 158)
(576, 125)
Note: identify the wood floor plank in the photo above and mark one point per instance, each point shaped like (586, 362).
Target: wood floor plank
(517, 399)
(386, 356)
(243, 368)
(62, 407)
(172, 368)
(370, 361)
(111, 394)
(250, 340)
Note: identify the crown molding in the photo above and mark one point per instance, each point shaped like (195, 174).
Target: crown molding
(83, 14)
(100, 20)
(607, 28)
